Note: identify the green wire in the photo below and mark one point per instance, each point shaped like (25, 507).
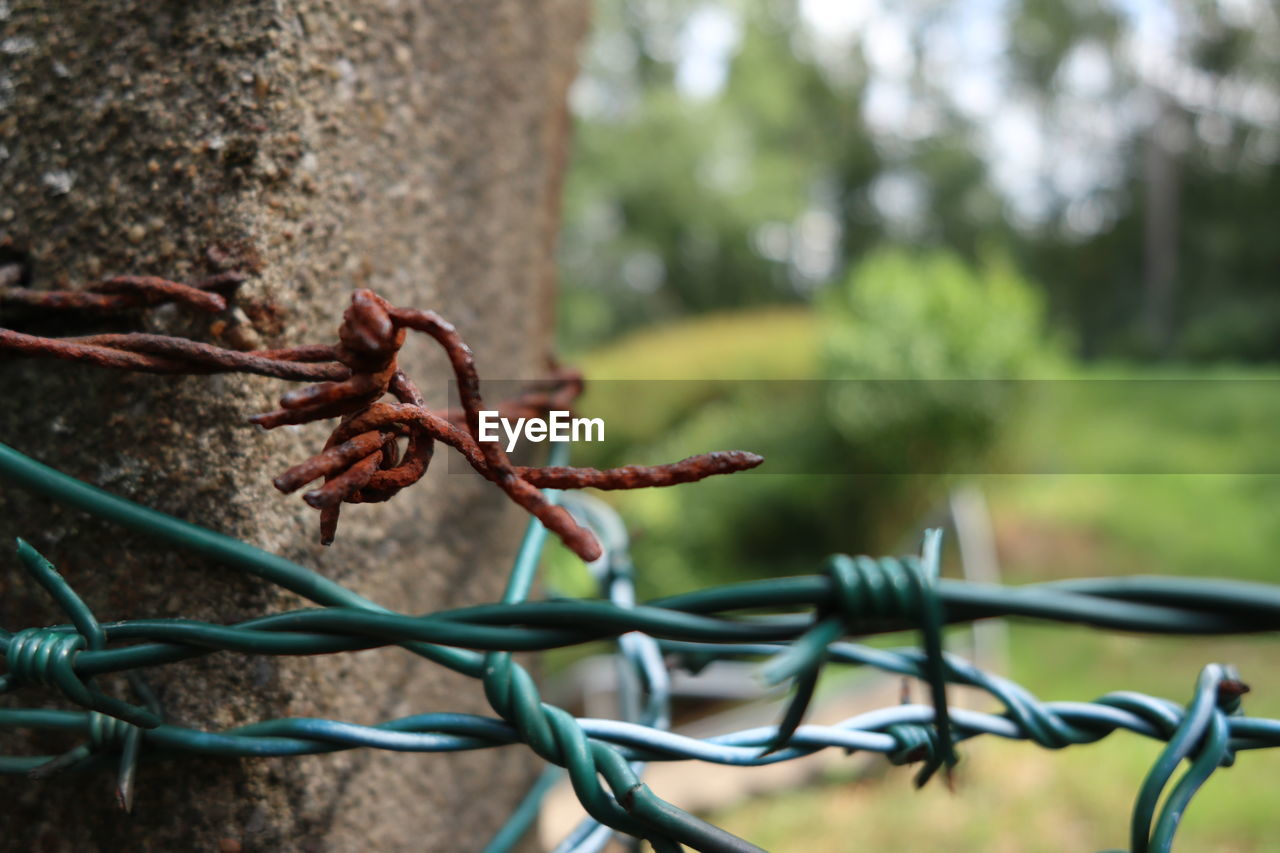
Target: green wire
(42, 479)
(1185, 740)
(350, 621)
(47, 576)
(1255, 607)
(525, 813)
(1215, 745)
(525, 569)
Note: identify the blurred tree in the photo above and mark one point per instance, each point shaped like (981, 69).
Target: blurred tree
(1127, 156)
(690, 194)
(1171, 255)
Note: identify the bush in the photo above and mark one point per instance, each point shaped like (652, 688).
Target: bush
(922, 351)
(905, 391)
(932, 316)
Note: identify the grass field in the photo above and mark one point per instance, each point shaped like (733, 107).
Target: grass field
(1118, 471)
(1016, 796)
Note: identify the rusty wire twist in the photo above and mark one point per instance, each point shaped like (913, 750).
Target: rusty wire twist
(361, 461)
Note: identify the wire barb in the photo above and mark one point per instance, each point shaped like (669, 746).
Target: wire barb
(371, 335)
(864, 590)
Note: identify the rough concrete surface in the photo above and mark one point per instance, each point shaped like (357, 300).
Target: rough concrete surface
(412, 146)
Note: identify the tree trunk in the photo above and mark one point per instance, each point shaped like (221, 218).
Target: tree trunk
(1160, 231)
(411, 146)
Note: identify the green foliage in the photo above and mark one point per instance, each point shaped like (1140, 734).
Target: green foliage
(1227, 524)
(900, 315)
(920, 346)
(857, 441)
(728, 381)
(669, 195)
(1131, 431)
(767, 188)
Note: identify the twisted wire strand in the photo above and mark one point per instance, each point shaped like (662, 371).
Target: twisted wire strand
(644, 684)
(555, 735)
(710, 623)
(877, 731)
(447, 732)
(540, 625)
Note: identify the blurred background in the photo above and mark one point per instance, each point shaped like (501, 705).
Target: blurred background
(1083, 197)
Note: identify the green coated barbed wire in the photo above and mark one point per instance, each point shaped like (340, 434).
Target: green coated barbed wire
(855, 596)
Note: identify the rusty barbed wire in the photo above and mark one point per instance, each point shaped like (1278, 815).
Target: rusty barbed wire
(361, 461)
(122, 292)
(163, 354)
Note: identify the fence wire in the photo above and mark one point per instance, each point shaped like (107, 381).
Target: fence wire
(796, 624)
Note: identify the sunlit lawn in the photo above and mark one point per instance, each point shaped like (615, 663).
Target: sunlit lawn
(1013, 797)
(1097, 517)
